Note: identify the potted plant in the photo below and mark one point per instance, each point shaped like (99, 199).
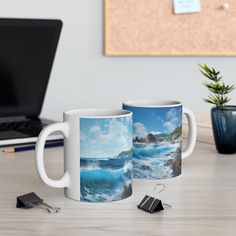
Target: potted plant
(223, 117)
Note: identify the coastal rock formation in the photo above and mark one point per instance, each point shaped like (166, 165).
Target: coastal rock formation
(175, 163)
(126, 191)
(150, 138)
(157, 138)
(124, 153)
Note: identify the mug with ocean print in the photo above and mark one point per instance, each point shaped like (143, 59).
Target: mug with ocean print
(97, 155)
(157, 137)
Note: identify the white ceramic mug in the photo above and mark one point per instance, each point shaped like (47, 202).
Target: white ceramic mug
(97, 155)
(157, 137)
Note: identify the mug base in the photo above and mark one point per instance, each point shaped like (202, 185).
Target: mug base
(157, 177)
(84, 201)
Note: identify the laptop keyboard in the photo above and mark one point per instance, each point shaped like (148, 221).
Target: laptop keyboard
(27, 126)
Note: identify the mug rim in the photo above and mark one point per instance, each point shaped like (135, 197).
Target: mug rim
(98, 113)
(149, 103)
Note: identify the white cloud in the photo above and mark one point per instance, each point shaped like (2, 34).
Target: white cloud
(170, 125)
(107, 140)
(155, 132)
(139, 130)
(172, 113)
(95, 129)
(172, 119)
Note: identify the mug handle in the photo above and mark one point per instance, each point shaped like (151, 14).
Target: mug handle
(192, 132)
(64, 180)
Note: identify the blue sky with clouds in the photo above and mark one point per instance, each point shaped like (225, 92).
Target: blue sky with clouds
(103, 138)
(155, 120)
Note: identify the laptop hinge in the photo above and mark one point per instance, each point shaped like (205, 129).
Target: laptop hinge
(32, 117)
(12, 119)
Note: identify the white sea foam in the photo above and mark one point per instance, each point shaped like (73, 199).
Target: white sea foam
(156, 162)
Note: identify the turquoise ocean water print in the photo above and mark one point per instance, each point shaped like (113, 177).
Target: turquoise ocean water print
(105, 159)
(157, 139)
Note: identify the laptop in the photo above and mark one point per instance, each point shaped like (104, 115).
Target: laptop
(27, 51)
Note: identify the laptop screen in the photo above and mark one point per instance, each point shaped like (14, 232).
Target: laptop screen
(27, 50)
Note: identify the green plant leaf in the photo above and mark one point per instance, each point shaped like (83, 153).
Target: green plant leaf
(218, 89)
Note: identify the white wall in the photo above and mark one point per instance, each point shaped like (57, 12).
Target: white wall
(82, 77)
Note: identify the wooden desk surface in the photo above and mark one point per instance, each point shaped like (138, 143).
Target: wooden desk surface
(203, 200)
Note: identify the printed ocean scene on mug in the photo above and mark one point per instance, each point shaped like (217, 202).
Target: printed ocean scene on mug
(105, 159)
(157, 138)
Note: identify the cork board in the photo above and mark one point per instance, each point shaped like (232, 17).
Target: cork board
(149, 28)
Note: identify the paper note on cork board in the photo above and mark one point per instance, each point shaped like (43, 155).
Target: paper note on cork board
(186, 6)
(150, 28)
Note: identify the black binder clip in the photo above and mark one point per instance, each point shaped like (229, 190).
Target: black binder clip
(28, 200)
(151, 204)
(31, 200)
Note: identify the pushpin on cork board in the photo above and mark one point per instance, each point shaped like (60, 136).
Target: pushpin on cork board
(150, 28)
(225, 6)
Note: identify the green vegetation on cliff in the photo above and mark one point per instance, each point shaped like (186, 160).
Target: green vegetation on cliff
(175, 134)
